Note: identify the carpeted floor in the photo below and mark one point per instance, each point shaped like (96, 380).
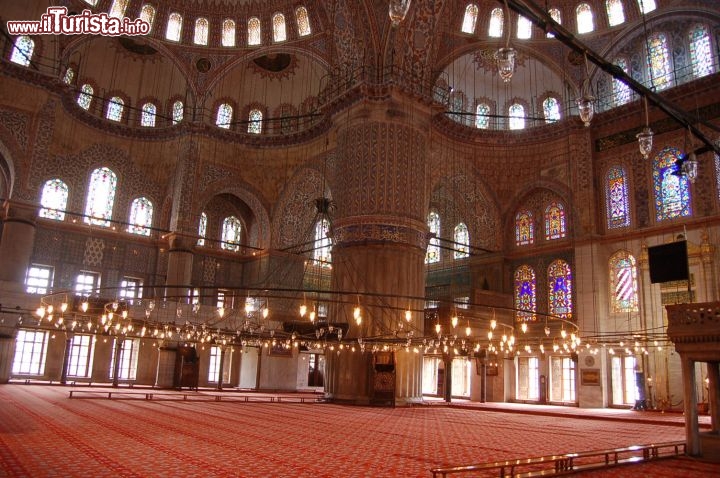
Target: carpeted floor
(43, 433)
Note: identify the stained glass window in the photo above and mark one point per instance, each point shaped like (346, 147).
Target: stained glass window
(100, 197)
(85, 96)
(623, 282)
(279, 31)
(224, 116)
(141, 212)
(470, 18)
(524, 228)
(201, 31)
(231, 230)
(255, 122)
(148, 115)
(700, 51)
(646, 6)
(659, 61)
(115, 109)
(672, 192)
(254, 31)
(517, 116)
(147, 14)
(202, 229)
(616, 198)
(615, 12)
(174, 27)
(53, 199)
(228, 32)
(321, 251)
(551, 109)
(495, 29)
(22, 50)
(621, 91)
(69, 76)
(585, 23)
(461, 236)
(433, 249)
(555, 15)
(525, 299)
(482, 118)
(554, 221)
(560, 298)
(117, 9)
(303, 21)
(524, 28)
(178, 111)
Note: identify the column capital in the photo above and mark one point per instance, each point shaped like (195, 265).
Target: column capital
(20, 211)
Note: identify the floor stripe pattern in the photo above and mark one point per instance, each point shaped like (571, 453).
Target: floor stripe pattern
(43, 433)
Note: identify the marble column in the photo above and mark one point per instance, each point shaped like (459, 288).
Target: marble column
(692, 429)
(17, 242)
(380, 184)
(713, 370)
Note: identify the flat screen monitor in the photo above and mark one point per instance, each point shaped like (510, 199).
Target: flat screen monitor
(668, 262)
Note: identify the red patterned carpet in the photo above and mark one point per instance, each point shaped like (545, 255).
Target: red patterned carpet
(43, 433)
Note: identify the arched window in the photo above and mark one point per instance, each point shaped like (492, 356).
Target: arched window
(115, 109)
(646, 6)
(100, 197)
(202, 28)
(615, 12)
(117, 9)
(231, 234)
(557, 16)
(495, 29)
(551, 109)
(560, 298)
(228, 32)
(85, 97)
(525, 299)
(279, 31)
(616, 198)
(224, 116)
(178, 111)
(584, 15)
(202, 229)
(470, 18)
(22, 50)
(433, 249)
(461, 236)
(147, 14)
(517, 116)
(54, 199)
(303, 21)
(141, 213)
(69, 76)
(672, 192)
(554, 221)
(524, 228)
(623, 283)
(321, 251)
(149, 112)
(174, 27)
(254, 31)
(482, 118)
(700, 51)
(255, 122)
(621, 91)
(524, 28)
(659, 58)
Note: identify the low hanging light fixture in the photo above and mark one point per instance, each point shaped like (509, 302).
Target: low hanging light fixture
(505, 57)
(690, 165)
(645, 137)
(397, 10)
(586, 103)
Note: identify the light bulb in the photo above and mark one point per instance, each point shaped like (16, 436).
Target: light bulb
(303, 310)
(563, 333)
(84, 306)
(490, 335)
(40, 312)
(524, 327)
(221, 311)
(454, 321)
(312, 316)
(493, 324)
(438, 327)
(356, 313)
(468, 331)
(63, 307)
(265, 313)
(408, 315)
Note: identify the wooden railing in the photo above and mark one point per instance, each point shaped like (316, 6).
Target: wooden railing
(556, 465)
(193, 397)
